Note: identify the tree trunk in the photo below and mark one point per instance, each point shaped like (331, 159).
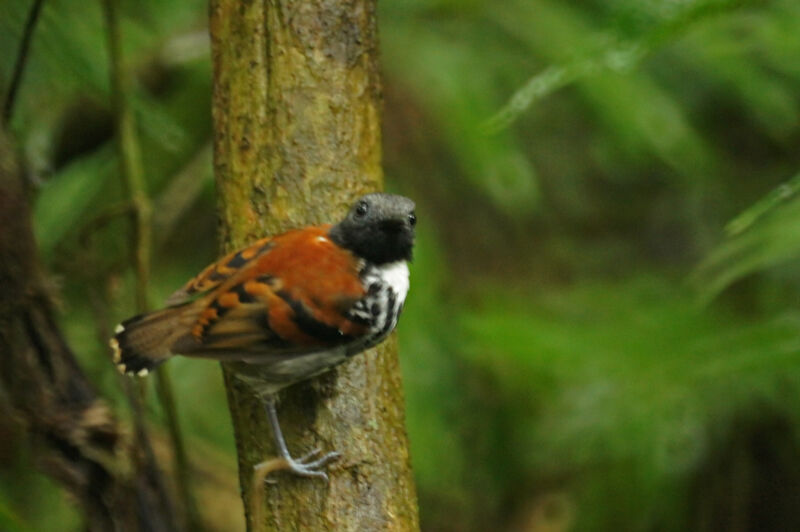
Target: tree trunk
(296, 110)
(75, 437)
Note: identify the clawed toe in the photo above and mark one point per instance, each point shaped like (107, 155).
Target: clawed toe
(321, 462)
(304, 467)
(307, 467)
(309, 455)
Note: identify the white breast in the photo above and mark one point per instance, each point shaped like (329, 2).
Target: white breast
(386, 287)
(395, 274)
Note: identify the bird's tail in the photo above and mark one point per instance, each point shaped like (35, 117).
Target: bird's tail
(143, 342)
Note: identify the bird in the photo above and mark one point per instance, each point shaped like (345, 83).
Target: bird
(286, 308)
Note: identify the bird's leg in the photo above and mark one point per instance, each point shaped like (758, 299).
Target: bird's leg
(305, 466)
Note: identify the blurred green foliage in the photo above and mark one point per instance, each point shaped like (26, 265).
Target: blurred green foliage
(585, 346)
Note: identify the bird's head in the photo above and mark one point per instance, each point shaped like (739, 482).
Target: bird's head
(379, 228)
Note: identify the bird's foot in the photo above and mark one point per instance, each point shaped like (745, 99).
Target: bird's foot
(309, 465)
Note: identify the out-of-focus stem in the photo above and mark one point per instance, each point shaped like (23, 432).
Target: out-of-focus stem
(19, 65)
(133, 177)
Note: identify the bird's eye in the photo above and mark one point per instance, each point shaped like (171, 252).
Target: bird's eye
(412, 219)
(361, 209)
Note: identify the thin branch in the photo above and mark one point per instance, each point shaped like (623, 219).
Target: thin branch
(182, 192)
(615, 57)
(618, 58)
(22, 59)
(130, 155)
(133, 175)
(778, 196)
(182, 471)
(101, 220)
(170, 206)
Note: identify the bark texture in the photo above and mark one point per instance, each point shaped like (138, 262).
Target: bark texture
(75, 437)
(296, 110)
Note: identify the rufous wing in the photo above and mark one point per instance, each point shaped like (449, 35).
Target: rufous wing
(290, 298)
(219, 272)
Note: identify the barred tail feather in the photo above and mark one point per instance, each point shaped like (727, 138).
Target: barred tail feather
(143, 342)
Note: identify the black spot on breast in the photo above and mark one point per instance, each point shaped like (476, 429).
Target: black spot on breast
(390, 313)
(375, 309)
(360, 319)
(374, 288)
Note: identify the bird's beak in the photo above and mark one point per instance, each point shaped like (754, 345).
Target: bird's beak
(393, 225)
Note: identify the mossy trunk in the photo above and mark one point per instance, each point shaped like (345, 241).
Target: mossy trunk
(296, 110)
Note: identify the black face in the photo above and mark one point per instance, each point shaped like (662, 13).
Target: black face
(378, 228)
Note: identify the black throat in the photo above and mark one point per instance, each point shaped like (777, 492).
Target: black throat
(379, 228)
(378, 245)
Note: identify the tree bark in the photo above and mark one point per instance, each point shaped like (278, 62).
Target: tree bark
(75, 437)
(296, 108)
